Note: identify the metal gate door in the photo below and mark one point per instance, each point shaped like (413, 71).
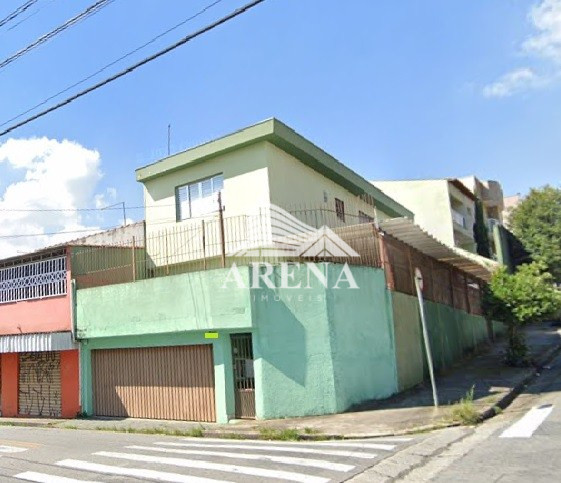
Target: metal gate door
(155, 382)
(244, 380)
(39, 384)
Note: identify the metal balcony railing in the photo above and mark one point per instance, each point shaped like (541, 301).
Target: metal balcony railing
(459, 219)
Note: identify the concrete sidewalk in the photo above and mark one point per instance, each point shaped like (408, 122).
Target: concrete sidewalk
(412, 411)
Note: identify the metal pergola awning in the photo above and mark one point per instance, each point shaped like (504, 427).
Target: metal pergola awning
(405, 230)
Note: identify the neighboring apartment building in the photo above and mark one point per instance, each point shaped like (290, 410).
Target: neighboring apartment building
(509, 203)
(39, 359)
(490, 193)
(443, 207)
(189, 341)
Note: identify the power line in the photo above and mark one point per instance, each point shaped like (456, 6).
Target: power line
(91, 10)
(17, 12)
(85, 230)
(71, 210)
(133, 67)
(24, 19)
(116, 61)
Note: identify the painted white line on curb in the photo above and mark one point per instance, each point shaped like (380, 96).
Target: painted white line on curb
(525, 427)
(135, 472)
(289, 449)
(287, 460)
(207, 465)
(44, 478)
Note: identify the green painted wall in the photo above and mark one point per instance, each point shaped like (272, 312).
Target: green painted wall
(187, 302)
(409, 353)
(292, 350)
(362, 339)
(452, 334)
(322, 350)
(224, 385)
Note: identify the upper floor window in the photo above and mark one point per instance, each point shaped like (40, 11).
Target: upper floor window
(364, 218)
(340, 209)
(198, 198)
(34, 280)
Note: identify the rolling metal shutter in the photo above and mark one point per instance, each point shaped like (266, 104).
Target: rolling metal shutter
(39, 384)
(155, 382)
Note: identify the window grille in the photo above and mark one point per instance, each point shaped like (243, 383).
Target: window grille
(199, 198)
(364, 218)
(35, 280)
(340, 209)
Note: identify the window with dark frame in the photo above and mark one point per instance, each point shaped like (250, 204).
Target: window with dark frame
(340, 209)
(364, 218)
(198, 198)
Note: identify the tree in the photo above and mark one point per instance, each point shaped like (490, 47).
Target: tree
(527, 295)
(480, 233)
(536, 222)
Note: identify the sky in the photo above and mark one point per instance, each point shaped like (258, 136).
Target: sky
(393, 89)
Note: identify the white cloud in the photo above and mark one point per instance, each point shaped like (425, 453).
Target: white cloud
(52, 175)
(512, 83)
(545, 43)
(546, 18)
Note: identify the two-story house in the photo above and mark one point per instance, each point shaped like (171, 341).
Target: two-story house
(39, 354)
(443, 207)
(201, 333)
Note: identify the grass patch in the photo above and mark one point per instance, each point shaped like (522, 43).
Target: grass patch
(232, 436)
(289, 434)
(464, 412)
(192, 433)
(497, 410)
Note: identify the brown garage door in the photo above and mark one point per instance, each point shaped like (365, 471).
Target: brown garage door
(155, 382)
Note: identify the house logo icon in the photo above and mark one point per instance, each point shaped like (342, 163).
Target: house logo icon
(274, 232)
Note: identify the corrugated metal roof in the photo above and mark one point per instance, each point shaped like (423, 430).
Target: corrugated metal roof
(406, 231)
(45, 342)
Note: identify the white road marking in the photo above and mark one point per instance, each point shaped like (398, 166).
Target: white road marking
(44, 478)
(135, 472)
(386, 447)
(288, 460)
(207, 465)
(290, 449)
(12, 449)
(525, 427)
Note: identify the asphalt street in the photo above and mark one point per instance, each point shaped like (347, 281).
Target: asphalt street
(521, 444)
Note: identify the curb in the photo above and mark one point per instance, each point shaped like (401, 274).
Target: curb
(507, 399)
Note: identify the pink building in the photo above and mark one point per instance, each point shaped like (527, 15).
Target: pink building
(39, 358)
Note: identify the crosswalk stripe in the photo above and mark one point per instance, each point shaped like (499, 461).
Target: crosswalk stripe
(368, 444)
(44, 478)
(386, 447)
(288, 460)
(135, 472)
(11, 449)
(525, 427)
(207, 465)
(290, 449)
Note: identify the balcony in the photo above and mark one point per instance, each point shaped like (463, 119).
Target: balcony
(459, 219)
